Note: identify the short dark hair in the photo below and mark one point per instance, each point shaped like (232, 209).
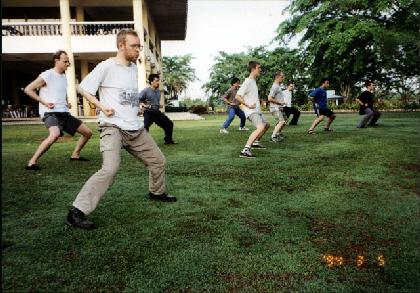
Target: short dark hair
(252, 65)
(152, 77)
(57, 55)
(324, 80)
(289, 82)
(122, 35)
(234, 80)
(368, 82)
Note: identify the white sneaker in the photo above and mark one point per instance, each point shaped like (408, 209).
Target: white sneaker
(243, 128)
(224, 131)
(246, 154)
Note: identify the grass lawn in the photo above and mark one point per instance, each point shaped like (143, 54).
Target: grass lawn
(330, 212)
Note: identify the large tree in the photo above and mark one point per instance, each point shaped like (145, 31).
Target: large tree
(352, 40)
(227, 66)
(177, 74)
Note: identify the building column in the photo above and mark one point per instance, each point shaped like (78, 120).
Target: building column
(84, 71)
(71, 71)
(138, 26)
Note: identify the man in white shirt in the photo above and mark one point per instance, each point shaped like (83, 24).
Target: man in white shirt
(54, 109)
(120, 127)
(289, 109)
(276, 99)
(247, 95)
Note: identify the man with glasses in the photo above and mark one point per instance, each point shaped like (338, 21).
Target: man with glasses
(115, 79)
(54, 109)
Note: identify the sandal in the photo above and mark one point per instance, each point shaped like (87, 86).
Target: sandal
(311, 131)
(328, 129)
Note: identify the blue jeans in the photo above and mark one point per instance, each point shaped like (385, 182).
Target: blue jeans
(231, 115)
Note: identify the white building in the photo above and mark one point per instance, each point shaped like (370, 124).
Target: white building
(86, 29)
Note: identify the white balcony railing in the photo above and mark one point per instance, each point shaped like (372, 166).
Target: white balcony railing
(54, 28)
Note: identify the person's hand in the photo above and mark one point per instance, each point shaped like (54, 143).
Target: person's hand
(108, 112)
(49, 105)
(251, 106)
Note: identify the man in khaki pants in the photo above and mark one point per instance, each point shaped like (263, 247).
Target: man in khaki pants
(120, 127)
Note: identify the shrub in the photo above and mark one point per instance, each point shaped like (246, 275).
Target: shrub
(176, 109)
(198, 109)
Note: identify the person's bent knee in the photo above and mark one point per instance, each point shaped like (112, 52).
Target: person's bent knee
(88, 134)
(109, 171)
(53, 138)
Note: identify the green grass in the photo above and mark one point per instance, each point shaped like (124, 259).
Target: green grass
(239, 224)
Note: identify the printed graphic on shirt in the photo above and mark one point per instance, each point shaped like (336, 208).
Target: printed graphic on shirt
(130, 97)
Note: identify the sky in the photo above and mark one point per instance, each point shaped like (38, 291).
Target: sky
(224, 25)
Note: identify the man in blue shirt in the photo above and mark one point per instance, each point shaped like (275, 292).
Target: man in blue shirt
(319, 98)
(150, 98)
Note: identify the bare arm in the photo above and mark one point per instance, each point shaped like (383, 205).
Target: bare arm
(30, 90)
(107, 111)
(273, 100)
(242, 101)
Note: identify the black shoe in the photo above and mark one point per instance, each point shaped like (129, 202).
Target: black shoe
(77, 218)
(373, 125)
(170, 142)
(33, 167)
(162, 197)
(81, 159)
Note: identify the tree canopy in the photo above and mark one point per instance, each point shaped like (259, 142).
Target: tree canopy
(352, 40)
(177, 74)
(347, 41)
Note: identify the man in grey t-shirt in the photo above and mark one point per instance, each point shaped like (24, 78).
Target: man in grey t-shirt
(150, 98)
(233, 107)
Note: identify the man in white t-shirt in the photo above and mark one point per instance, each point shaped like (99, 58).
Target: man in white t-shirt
(276, 99)
(54, 109)
(120, 127)
(289, 109)
(247, 95)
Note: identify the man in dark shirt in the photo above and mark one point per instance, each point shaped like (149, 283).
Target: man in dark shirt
(233, 107)
(370, 115)
(319, 99)
(150, 98)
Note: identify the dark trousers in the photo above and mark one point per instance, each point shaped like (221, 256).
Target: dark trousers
(161, 120)
(292, 111)
(370, 116)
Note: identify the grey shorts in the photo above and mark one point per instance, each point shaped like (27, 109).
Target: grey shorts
(63, 120)
(279, 115)
(257, 119)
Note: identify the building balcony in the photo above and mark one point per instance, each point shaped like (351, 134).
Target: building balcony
(46, 37)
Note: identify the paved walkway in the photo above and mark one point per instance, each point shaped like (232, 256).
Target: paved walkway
(173, 116)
